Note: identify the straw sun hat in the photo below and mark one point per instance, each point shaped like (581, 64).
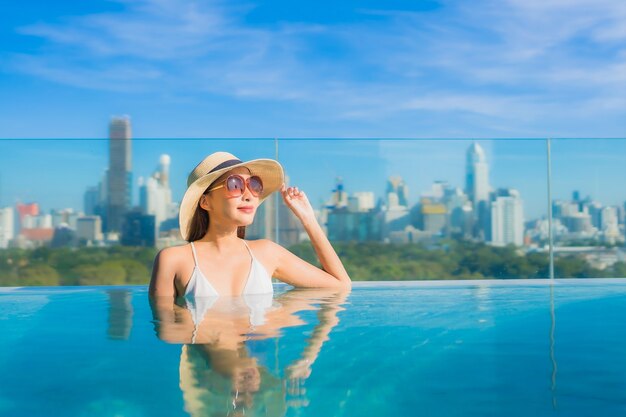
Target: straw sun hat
(210, 169)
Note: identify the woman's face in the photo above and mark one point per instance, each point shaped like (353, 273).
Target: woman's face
(239, 210)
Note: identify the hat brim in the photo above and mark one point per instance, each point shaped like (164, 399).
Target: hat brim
(270, 171)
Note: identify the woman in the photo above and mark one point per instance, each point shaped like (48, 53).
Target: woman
(223, 194)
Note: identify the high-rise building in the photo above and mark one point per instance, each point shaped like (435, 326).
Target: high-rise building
(361, 201)
(393, 219)
(460, 212)
(40, 221)
(477, 189)
(608, 217)
(397, 193)
(6, 226)
(579, 223)
(595, 209)
(155, 195)
(96, 200)
(119, 182)
(89, 228)
(339, 197)
(433, 216)
(438, 190)
(507, 219)
(23, 210)
(91, 199)
(477, 174)
(561, 209)
(153, 199)
(344, 225)
(67, 216)
(138, 229)
(351, 218)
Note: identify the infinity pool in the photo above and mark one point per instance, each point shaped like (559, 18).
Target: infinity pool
(470, 348)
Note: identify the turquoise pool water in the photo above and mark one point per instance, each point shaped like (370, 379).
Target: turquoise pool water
(477, 348)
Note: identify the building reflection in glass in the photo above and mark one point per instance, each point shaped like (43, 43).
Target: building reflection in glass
(218, 373)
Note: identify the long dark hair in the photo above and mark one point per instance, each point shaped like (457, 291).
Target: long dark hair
(200, 221)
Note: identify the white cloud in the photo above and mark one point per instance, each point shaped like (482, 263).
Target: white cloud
(500, 65)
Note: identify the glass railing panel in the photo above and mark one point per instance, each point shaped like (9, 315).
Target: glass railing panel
(424, 209)
(56, 226)
(589, 203)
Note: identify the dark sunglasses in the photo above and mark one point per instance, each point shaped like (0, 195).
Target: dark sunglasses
(236, 185)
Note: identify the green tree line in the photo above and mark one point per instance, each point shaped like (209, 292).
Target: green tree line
(452, 259)
(116, 265)
(119, 265)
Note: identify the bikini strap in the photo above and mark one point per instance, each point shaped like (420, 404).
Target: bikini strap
(195, 257)
(249, 250)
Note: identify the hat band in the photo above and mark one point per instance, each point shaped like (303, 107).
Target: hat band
(226, 164)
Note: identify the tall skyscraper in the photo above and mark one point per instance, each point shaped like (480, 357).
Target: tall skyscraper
(91, 199)
(477, 174)
(155, 196)
(477, 189)
(119, 182)
(507, 219)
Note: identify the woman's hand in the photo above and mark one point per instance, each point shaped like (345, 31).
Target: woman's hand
(301, 369)
(299, 204)
(296, 375)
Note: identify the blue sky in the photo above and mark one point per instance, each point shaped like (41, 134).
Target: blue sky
(367, 69)
(501, 68)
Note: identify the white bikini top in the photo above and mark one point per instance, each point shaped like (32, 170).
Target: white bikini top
(258, 281)
(257, 296)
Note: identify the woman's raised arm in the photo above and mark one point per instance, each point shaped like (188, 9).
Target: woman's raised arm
(295, 271)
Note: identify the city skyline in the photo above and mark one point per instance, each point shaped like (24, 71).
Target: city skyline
(364, 165)
(483, 208)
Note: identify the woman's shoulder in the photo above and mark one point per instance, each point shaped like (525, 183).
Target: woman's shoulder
(173, 253)
(266, 249)
(167, 266)
(261, 245)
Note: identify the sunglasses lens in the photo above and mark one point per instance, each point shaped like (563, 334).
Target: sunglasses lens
(256, 185)
(235, 184)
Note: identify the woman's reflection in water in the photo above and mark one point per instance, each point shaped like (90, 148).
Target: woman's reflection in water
(218, 375)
